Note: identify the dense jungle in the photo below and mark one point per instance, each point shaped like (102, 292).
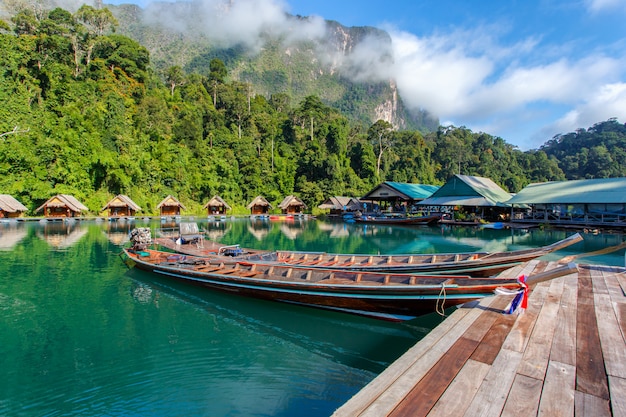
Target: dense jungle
(84, 112)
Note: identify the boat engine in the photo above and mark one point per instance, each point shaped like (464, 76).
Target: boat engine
(140, 238)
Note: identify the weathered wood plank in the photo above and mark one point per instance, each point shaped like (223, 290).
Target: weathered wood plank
(490, 345)
(522, 329)
(492, 394)
(611, 338)
(523, 399)
(427, 391)
(598, 282)
(520, 333)
(611, 278)
(590, 374)
(386, 390)
(564, 341)
(618, 395)
(537, 351)
(590, 405)
(459, 394)
(557, 397)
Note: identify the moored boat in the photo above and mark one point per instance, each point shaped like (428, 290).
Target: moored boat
(420, 220)
(476, 264)
(387, 296)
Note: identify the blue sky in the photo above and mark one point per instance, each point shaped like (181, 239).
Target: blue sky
(521, 70)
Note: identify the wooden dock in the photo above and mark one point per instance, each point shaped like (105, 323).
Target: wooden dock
(564, 356)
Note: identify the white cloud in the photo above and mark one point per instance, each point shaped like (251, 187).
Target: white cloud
(597, 6)
(229, 23)
(610, 101)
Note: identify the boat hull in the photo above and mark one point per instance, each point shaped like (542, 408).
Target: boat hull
(477, 264)
(384, 297)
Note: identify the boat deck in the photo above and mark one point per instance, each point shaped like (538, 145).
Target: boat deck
(564, 356)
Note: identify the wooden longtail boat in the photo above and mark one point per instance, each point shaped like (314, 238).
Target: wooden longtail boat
(394, 297)
(398, 220)
(476, 264)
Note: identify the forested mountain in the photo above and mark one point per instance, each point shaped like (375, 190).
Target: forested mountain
(85, 113)
(597, 152)
(296, 66)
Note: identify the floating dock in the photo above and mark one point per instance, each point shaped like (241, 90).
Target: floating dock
(564, 356)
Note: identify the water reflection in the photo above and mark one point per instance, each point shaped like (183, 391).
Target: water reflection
(10, 235)
(61, 235)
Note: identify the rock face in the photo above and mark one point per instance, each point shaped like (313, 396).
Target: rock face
(344, 66)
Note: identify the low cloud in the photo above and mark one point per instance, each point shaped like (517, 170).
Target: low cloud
(234, 22)
(468, 77)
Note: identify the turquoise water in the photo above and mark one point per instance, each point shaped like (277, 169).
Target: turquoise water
(83, 335)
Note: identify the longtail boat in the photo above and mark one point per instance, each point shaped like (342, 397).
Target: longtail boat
(475, 264)
(394, 297)
(420, 220)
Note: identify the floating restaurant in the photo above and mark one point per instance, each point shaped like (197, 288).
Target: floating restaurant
(592, 202)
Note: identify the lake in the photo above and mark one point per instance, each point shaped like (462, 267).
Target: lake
(83, 335)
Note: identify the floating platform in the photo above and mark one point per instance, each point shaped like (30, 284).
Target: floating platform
(564, 356)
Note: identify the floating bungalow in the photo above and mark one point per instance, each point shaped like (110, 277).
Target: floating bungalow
(592, 202)
(339, 205)
(397, 196)
(62, 206)
(474, 197)
(292, 205)
(259, 206)
(10, 207)
(170, 206)
(216, 206)
(121, 206)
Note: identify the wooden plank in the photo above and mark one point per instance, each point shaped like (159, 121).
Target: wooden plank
(427, 391)
(492, 394)
(618, 396)
(459, 394)
(425, 355)
(621, 279)
(611, 338)
(564, 341)
(522, 329)
(490, 345)
(523, 399)
(537, 351)
(617, 293)
(453, 326)
(557, 397)
(597, 279)
(590, 374)
(590, 405)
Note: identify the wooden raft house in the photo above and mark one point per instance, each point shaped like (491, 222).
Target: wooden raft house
(170, 206)
(292, 205)
(259, 206)
(564, 356)
(338, 205)
(121, 206)
(10, 207)
(62, 206)
(216, 205)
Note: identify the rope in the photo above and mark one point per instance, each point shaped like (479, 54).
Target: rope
(439, 308)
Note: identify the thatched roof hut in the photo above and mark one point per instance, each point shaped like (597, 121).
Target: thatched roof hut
(216, 205)
(339, 204)
(10, 207)
(170, 206)
(120, 206)
(62, 205)
(292, 205)
(259, 206)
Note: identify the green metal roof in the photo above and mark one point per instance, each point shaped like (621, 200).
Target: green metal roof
(402, 190)
(466, 190)
(594, 191)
